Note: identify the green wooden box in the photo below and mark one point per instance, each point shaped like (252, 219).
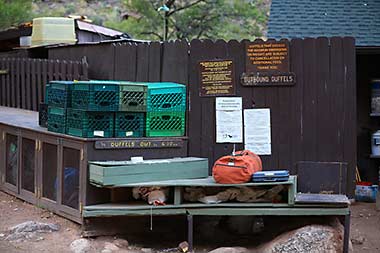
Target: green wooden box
(119, 173)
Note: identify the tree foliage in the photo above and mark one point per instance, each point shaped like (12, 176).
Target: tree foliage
(189, 19)
(14, 12)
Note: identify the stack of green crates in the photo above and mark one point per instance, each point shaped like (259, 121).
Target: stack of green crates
(130, 119)
(116, 109)
(58, 99)
(93, 106)
(164, 104)
(166, 109)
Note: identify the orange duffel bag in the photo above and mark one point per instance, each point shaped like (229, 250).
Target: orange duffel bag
(236, 169)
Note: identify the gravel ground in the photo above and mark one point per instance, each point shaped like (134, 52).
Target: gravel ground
(365, 229)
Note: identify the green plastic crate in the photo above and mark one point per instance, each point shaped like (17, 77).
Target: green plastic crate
(96, 95)
(132, 97)
(129, 124)
(58, 93)
(166, 97)
(161, 124)
(163, 97)
(56, 119)
(90, 124)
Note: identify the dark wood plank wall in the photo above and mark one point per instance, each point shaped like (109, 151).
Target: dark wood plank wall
(24, 85)
(315, 120)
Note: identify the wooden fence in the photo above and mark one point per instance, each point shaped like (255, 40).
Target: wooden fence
(314, 120)
(23, 80)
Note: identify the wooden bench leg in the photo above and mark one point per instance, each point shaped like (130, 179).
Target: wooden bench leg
(190, 232)
(346, 236)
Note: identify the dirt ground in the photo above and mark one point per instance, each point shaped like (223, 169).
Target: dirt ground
(365, 229)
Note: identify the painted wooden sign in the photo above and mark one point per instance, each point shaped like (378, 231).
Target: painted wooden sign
(268, 79)
(129, 144)
(216, 78)
(267, 56)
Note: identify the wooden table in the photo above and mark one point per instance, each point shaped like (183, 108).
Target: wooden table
(296, 205)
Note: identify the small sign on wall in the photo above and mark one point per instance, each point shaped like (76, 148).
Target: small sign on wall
(268, 79)
(216, 78)
(133, 144)
(267, 56)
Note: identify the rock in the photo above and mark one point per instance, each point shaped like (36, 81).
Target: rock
(358, 240)
(183, 246)
(28, 230)
(39, 239)
(146, 250)
(106, 251)
(80, 246)
(230, 250)
(2, 235)
(121, 243)
(33, 226)
(110, 246)
(312, 239)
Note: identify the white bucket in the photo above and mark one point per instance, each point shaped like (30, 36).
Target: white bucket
(376, 143)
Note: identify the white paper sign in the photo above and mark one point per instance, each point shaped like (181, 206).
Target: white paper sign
(228, 103)
(229, 127)
(229, 120)
(257, 131)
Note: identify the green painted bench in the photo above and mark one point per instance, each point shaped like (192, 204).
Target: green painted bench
(296, 205)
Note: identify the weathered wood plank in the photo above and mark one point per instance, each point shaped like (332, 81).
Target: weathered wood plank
(206, 182)
(349, 142)
(270, 211)
(28, 84)
(142, 68)
(155, 62)
(9, 85)
(22, 84)
(34, 85)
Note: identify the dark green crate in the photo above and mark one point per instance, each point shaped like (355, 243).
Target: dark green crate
(129, 124)
(90, 124)
(162, 97)
(133, 98)
(161, 124)
(42, 115)
(58, 93)
(56, 119)
(96, 96)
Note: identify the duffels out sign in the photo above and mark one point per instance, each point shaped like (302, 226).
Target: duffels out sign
(268, 79)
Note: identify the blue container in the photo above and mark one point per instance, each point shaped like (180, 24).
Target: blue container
(366, 193)
(271, 176)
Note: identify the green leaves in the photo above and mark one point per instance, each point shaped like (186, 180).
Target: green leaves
(190, 19)
(14, 12)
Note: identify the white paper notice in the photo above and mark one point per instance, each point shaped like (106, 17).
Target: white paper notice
(229, 120)
(257, 131)
(229, 127)
(228, 103)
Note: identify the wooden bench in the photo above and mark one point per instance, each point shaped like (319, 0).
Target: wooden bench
(296, 204)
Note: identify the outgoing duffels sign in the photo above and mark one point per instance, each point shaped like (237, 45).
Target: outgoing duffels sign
(268, 79)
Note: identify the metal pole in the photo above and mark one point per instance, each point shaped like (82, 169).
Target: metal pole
(190, 232)
(346, 236)
(165, 27)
